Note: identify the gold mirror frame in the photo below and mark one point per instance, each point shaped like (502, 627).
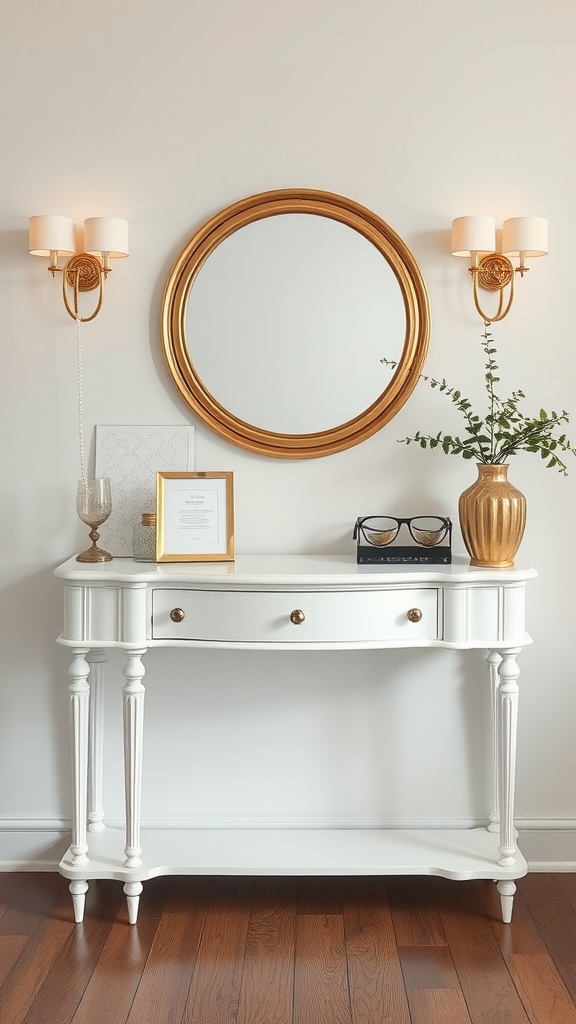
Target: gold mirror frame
(179, 287)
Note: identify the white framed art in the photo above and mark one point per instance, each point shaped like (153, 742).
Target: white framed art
(131, 456)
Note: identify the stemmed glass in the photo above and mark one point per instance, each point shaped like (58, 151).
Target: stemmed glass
(94, 505)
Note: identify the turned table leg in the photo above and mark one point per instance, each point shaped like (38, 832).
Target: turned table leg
(133, 692)
(78, 890)
(79, 691)
(507, 716)
(493, 660)
(132, 892)
(506, 888)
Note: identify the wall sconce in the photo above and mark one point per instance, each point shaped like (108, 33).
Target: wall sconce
(105, 238)
(475, 239)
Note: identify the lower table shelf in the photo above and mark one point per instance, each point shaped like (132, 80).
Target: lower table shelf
(452, 853)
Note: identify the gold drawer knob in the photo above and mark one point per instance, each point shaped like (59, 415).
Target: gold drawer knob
(414, 615)
(177, 614)
(297, 616)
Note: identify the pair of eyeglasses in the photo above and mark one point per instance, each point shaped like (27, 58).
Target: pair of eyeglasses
(379, 531)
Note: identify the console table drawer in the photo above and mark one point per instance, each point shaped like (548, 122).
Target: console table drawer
(409, 615)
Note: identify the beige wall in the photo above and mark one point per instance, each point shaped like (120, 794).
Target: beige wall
(163, 114)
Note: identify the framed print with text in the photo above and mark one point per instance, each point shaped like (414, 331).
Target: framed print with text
(195, 517)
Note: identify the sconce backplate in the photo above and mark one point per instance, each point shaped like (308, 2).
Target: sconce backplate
(84, 269)
(495, 271)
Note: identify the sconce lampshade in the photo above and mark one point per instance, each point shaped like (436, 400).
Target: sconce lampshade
(473, 234)
(528, 235)
(51, 234)
(106, 234)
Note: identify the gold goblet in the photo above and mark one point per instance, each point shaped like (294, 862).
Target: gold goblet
(94, 505)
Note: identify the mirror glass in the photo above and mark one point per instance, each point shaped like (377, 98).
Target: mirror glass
(294, 314)
(276, 317)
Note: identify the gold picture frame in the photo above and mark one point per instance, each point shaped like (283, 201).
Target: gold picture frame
(195, 517)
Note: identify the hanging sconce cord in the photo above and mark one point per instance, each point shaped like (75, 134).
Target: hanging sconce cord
(80, 393)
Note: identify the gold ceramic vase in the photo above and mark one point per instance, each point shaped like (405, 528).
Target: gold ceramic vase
(492, 518)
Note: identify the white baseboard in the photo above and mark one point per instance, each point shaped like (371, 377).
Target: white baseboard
(39, 844)
(33, 850)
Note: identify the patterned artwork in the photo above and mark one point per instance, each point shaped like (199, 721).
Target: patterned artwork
(130, 456)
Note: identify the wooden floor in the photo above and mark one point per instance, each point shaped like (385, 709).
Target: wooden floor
(289, 951)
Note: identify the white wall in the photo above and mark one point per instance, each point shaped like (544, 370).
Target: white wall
(163, 114)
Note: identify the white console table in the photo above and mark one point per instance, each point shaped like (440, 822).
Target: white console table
(281, 603)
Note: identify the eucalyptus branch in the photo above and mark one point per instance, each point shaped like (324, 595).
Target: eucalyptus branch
(504, 430)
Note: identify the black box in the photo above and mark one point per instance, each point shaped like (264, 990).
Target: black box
(403, 555)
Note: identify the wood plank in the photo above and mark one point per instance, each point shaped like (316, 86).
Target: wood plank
(441, 1006)
(266, 995)
(33, 903)
(377, 994)
(11, 883)
(484, 979)
(568, 974)
(554, 917)
(541, 989)
(163, 990)
(567, 886)
(320, 982)
(566, 882)
(112, 987)
(414, 912)
(318, 895)
(215, 990)
(11, 947)
(427, 967)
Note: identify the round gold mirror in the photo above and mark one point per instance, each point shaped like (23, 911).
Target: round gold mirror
(276, 317)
